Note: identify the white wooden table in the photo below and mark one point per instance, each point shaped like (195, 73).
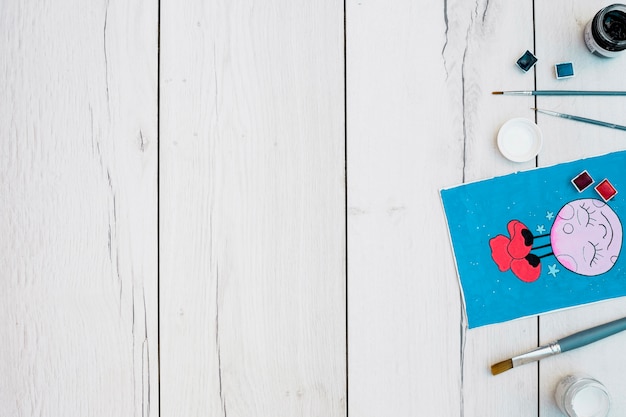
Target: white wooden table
(230, 208)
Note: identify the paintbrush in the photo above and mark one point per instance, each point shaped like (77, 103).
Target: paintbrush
(568, 343)
(581, 119)
(560, 93)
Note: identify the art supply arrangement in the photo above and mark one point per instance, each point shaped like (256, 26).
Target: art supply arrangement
(538, 239)
(604, 36)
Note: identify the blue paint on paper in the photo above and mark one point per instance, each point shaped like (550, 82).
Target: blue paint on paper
(479, 212)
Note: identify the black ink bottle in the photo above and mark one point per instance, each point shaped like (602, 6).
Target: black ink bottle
(605, 34)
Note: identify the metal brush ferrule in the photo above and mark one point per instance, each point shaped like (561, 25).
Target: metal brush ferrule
(518, 93)
(535, 355)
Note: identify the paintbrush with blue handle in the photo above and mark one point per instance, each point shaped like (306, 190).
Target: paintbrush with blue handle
(571, 342)
(580, 119)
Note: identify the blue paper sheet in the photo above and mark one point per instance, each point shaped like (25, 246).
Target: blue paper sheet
(531, 242)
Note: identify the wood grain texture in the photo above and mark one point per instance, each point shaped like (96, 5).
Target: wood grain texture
(78, 218)
(497, 35)
(559, 27)
(421, 117)
(252, 209)
(258, 199)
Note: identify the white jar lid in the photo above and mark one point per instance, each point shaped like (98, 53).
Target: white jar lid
(520, 140)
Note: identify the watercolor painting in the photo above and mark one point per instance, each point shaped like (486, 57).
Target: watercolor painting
(537, 241)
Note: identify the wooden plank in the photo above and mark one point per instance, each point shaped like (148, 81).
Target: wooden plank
(252, 212)
(494, 44)
(561, 38)
(78, 218)
(421, 117)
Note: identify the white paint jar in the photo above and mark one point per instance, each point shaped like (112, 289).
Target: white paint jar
(581, 396)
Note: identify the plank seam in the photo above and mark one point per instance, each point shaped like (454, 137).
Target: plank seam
(345, 156)
(158, 226)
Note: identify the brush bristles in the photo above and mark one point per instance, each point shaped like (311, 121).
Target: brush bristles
(500, 367)
(497, 92)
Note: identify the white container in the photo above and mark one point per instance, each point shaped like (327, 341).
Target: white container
(519, 140)
(581, 396)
